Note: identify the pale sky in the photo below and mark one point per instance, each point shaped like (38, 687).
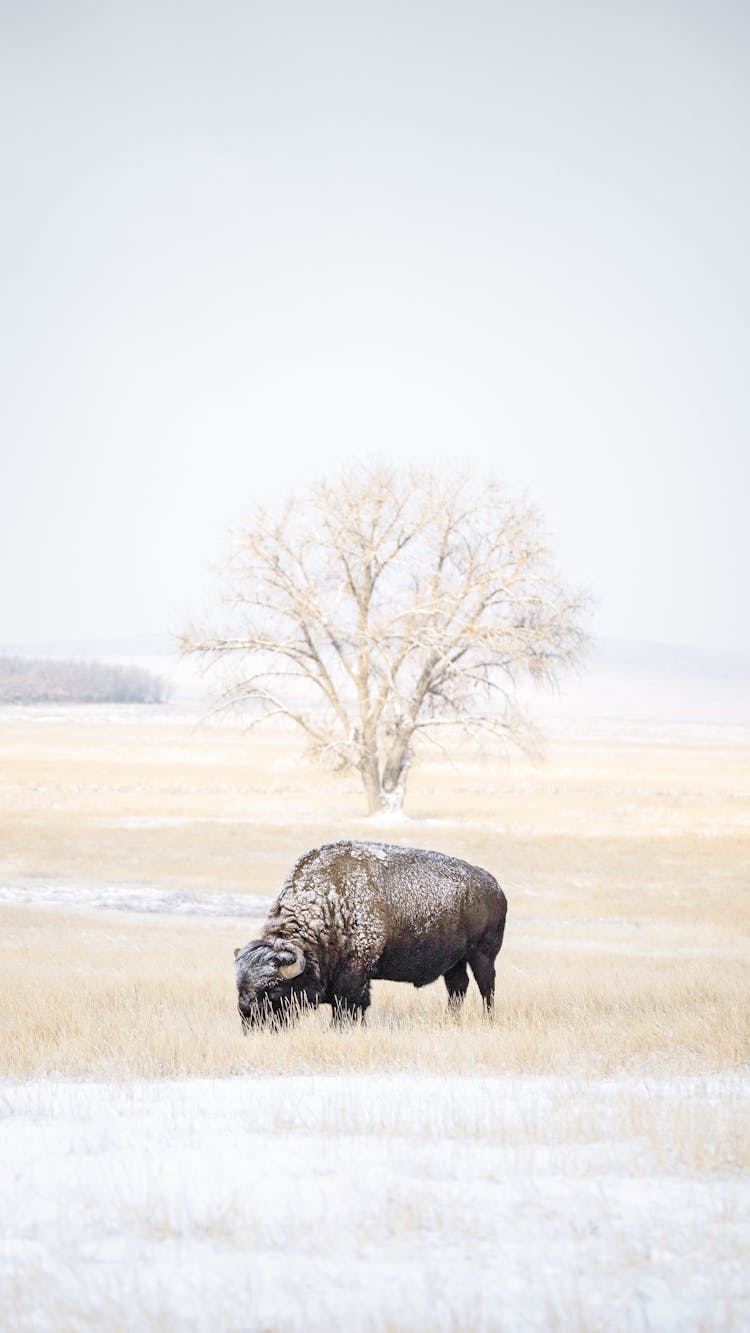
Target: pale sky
(246, 243)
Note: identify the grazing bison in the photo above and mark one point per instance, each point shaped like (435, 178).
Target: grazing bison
(350, 912)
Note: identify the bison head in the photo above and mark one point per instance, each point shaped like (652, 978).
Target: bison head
(273, 982)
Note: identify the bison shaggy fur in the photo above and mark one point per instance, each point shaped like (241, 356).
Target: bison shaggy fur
(353, 912)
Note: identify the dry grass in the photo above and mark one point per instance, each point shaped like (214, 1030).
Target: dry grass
(115, 997)
(626, 867)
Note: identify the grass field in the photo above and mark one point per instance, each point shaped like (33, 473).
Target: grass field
(626, 865)
(579, 1163)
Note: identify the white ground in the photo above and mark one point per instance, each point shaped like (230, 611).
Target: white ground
(140, 898)
(402, 1202)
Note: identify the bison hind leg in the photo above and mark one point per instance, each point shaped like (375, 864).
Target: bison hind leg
(457, 983)
(482, 959)
(483, 967)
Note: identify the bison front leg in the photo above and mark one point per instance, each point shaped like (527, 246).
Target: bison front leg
(457, 983)
(351, 1008)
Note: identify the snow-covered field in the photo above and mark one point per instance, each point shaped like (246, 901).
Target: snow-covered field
(399, 1202)
(359, 1181)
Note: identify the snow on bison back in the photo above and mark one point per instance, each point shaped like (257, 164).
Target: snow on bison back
(349, 912)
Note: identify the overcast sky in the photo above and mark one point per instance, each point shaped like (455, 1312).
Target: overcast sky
(245, 243)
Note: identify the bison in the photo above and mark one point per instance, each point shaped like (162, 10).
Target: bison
(351, 912)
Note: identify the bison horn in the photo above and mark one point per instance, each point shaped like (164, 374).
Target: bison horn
(290, 970)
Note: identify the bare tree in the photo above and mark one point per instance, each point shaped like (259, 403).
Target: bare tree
(378, 608)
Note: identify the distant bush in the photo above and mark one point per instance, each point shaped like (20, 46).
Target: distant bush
(30, 680)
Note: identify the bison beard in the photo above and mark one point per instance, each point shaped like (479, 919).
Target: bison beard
(351, 912)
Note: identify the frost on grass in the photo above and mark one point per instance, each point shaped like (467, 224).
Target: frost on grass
(355, 1204)
(145, 898)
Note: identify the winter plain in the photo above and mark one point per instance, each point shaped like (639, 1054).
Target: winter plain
(579, 1164)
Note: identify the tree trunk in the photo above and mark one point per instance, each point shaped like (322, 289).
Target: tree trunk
(382, 798)
(379, 800)
(370, 774)
(392, 798)
(385, 792)
(395, 769)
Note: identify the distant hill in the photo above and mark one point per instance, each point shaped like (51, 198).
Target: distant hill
(28, 680)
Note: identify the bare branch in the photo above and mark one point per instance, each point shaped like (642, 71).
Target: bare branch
(387, 605)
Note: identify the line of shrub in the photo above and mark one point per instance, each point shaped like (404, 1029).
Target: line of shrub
(26, 680)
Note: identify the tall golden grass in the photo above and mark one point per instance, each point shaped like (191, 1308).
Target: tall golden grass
(626, 866)
(113, 997)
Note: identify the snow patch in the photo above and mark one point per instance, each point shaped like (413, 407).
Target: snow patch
(386, 818)
(134, 898)
(358, 1203)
